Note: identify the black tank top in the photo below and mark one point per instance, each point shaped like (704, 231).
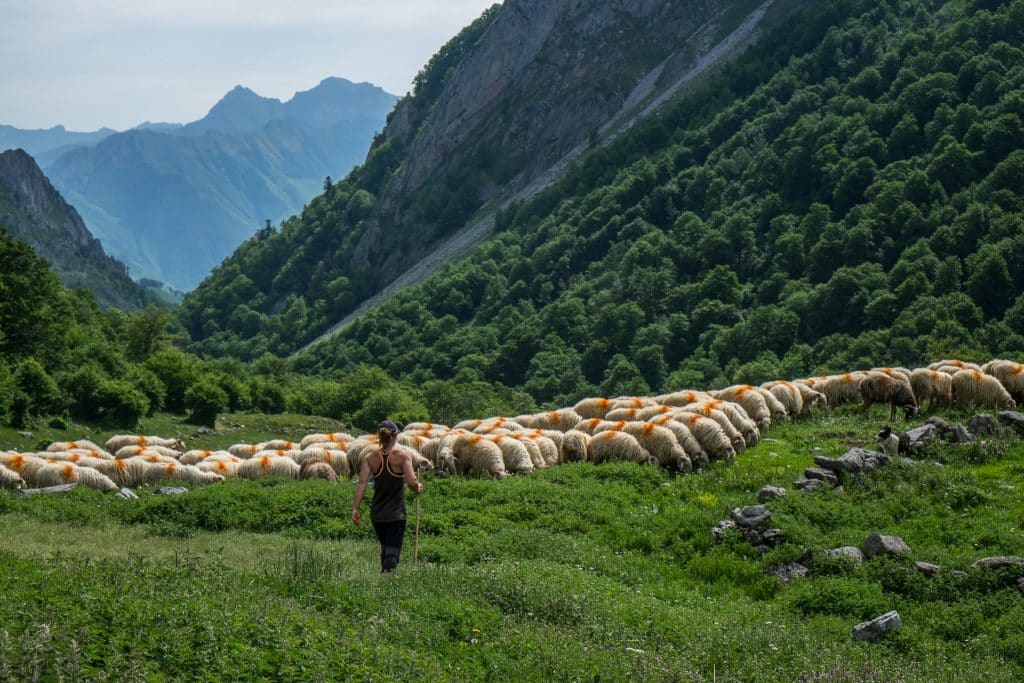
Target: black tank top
(388, 504)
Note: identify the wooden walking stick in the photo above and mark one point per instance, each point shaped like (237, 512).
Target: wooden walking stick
(416, 548)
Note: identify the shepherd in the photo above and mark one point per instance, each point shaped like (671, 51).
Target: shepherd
(390, 466)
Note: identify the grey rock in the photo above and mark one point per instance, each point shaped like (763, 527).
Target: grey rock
(29, 493)
(1012, 418)
(961, 435)
(921, 435)
(880, 544)
(126, 494)
(171, 490)
(753, 537)
(828, 463)
(26, 435)
(808, 485)
(773, 537)
(846, 552)
(751, 516)
(958, 573)
(877, 627)
(927, 569)
(982, 424)
(770, 493)
(873, 462)
(853, 460)
(998, 562)
(827, 476)
(939, 423)
(722, 528)
(789, 571)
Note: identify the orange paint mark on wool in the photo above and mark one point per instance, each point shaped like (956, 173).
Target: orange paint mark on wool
(619, 426)
(475, 439)
(264, 462)
(554, 415)
(221, 467)
(68, 473)
(142, 441)
(649, 428)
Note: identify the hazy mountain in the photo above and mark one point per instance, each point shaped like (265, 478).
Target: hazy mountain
(45, 145)
(173, 201)
(32, 209)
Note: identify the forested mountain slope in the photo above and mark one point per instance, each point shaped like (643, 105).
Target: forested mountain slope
(863, 206)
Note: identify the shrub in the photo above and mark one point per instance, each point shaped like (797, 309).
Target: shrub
(842, 597)
(44, 396)
(176, 371)
(118, 402)
(146, 381)
(267, 396)
(204, 400)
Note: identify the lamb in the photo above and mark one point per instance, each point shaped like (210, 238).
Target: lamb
(661, 443)
(753, 403)
(337, 460)
(694, 451)
(317, 469)
(268, 465)
(878, 387)
(974, 388)
(1010, 374)
(188, 473)
(332, 437)
(708, 410)
(25, 464)
(574, 446)
(614, 445)
(562, 420)
(514, 454)
(228, 470)
(132, 451)
(55, 474)
(476, 456)
(788, 395)
(893, 443)
(119, 441)
(74, 445)
(932, 386)
(711, 437)
(9, 479)
(130, 472)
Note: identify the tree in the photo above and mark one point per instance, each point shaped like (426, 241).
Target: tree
(146, 333)
(989, 283)
(623, 378)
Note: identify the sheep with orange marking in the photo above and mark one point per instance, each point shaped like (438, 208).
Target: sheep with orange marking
(358, 449)
(173, 471)
(81, 444)
(539, 456)
(317, 469)
(278, 453)
(341, 439)
(476, 456)
(228, 470)
(975, 388)
(689, 443)
(513, 453)
(812, 398)
(268, 465)
(338, 460)
(130, 472)
(496, 425)
(788, 395)
(710, 436)
(841, 389)
(132, 451)
(1010, 374)
(563, 420)
(573, 447)
(153, 458)
(119, 441)
(9, 479)
(661, 443)
(425, 427)
(243, 450)
(614, 445)
(55, 474)
(277, 445)
(92, 453)
(954, 363)
(752, 400)
(739, 419)
(26, 465)
(195, 456)
(932, 386)
(708, 409)
(879, 387)
(682, 398)
(593, 407)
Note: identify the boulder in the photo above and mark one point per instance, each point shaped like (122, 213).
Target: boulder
(126, 493)
(171, 490)
(808, 485)
(722, 528)
(825, 475)
(999, 562)
(751, 516)
(789, 571)
(849, 552)
(1011, 418)
(921, 435)
(927, 569)
(877, 627)
(961, 435)
(940, 424)
(61, 488)
(880, 544)
(982, 424)
(770, 493)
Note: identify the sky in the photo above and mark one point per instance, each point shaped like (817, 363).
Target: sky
(85, 64)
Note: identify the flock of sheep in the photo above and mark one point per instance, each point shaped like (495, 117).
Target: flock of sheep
(680, 431)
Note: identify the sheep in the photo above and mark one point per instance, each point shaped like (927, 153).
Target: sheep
(711, 437)
(898, 373)
(268, 465)
(893, 443)
(9, 479)
(332, 437)
(878, 387)
(589, 426)
(594, 407)
(188, 473)
(574, 446)
(932, 386)
(514, 454)
(694, 451)
(476, 456)
(358, 449)
(243, 450)
(753, 403)
(545, 446)
(64, 456)
(92, 453)
(788, 395)
(1010, 374)
(228, 470)
(55, 474)
(74, 445)
(195, 456)
(562, 420)
(812, 398)
(25, 464)
(972, 387)
(132, 451)
(493, 425)
(708, 410)
(954, 363)
(278, 452)
(277, 445)
(682, 398)
(661, 443)
(154, 458)
(443, 459)
(614, 445)
(317, 469)
(532, 449)
(739, 419)
(424, 427)
(119, 441)
(338, 460)
(840, 389)
(219, 456)
(130, 472)
(626, 414)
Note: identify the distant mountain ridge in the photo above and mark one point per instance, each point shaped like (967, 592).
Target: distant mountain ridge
(32, 209)
(172, 201)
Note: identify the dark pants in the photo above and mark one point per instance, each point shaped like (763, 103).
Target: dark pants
(390, 535)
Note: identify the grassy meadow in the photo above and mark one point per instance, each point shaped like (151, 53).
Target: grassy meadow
(578, 572)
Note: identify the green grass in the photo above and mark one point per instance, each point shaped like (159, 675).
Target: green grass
(573, 573)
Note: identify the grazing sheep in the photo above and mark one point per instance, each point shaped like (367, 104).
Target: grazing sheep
(340, 438)
(228, 470)
(187, 473)
(788, 395)
(56, 474)
(132, 451)
(514, 454)
(894, 390)
(119, 441)
(975, 388)
(711, 437)
(155, 458)
(591, 425)
(708, 410)
(812, 398)
(9, 479)
(574, 446)
(25, 464)
(338, 460)
(662, 443)
(243, 450)
(195, 456)
(627, 414)
(739, 419)
(893, 443)
(546, 446)
(268, 465)
(694, 451)
(358, 449)
(953, 363)
(932, 385)
(613, 445)
(91, 453)
(752, 400)
(841, 389)
(130, 472)
(493, 425)
(682, 398)
(532, 449)
(291, 454)
(74, 445)
(64, 456)
(562, 420)
(1011, 376)
(278, 445)
(898, 373)
(594, 407)
(425, 427)
(477, 456)
(317, 469)
(220, 456)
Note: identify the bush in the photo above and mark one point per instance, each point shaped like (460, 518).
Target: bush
(267, 396)
(176, 371)
(842, 597)
(146, 381)
(118, 402)
(204, 400)
(44, 396)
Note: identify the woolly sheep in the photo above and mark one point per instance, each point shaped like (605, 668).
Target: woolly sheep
(590, 425)
(9, 479)
(574, 446)
(476, 456)
(974, 388)
(336, 459)
(92, 453)
(64, 456)
(317, 469)
(708, 410)
(711, 437)
(1010, 374)
(56, 474)
(25, 464)
(545, 446)
(493, 425)
(443, 459)
(268, 465)
(187, 473)
(694, 451)
(277, 445)
(340, 438)
(954, 363)
(532, 449)
(195, 456)
(358, 449)
(627, 414)
(155, 458)
(291, 453)
(243, 450)
(661, 443)
(74, 445)
(881, 388)
(841, 389)
(514, 454)
(752, 400)
(228, 470)
(119, 441)
(932, 386)
(425, 426)
(788, 395)
(614, 445)
(220, 456)
(682, 398)
(130, 472)
(132, 451)
(593, 407)
(812, 398)
(562, 420)
(738, 417)
(898, 373)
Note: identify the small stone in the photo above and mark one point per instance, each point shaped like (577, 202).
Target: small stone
(958, 573)
(770, 493)
(927, 569)
(809, 485)
(171, 490)
(126, 494)
(751, 516)
(982, 424)
(874, 629)
(789, 571)
(880, 544)
(848, 552)
(26, 435)
(852, 460)
(872, 463)
(939, 423)
(60, 488)
(723, 527)
(961, 435)
(753, 537)
(827, 476)
(1011, 418)
(773, 537)
(998, 562)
